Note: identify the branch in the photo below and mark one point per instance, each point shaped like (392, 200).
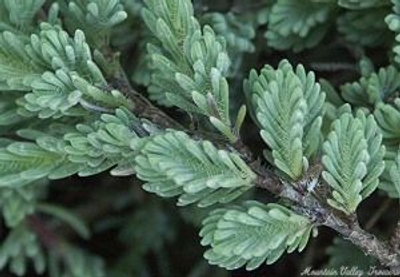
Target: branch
(381, 250)
(308, 205)
(303, 202)
(142, 106)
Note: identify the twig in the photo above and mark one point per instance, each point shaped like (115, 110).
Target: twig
(144, 107)
(348, 227)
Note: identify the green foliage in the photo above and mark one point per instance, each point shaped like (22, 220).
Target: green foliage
(378, 91)
(19, 246)
(237, 33)
(393, 22)
(373, 88)
(388, 117)
(189, 64)
(299, 24)
(94, 18)
(151, 218)
(103, 144)
(288, 106)
(17, 202)
(17, 71)
(18, 15)
(24, 162)
(252, 233)
(89, 150)
(353, 160)
(362, 4)
(75, 263)
(367, 28)
(395, 174)
(172, 164)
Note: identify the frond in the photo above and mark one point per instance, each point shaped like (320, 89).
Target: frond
(365, 27)
(376, 151)
(237, 33)
(18, 14)
(20, 246)
(54, 95)
(71, 82)
(173, 164)
(190, 64)
(393, 22)
(24, 162)
(95, 18)
(17, 71)
(102, 145)
(17, 202)
(373, 88)
(252, 234)
(353, 160)
(54, 48)
(88, 150)
(298, 24)
(288, 106)
(388, 118)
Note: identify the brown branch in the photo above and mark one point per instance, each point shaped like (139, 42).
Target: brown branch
(347, 226)
(371, 245)
(142, 106)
